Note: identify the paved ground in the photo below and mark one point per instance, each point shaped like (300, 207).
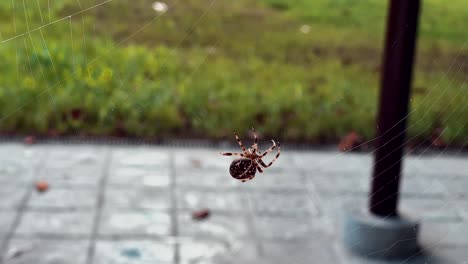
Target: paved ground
(129, 204)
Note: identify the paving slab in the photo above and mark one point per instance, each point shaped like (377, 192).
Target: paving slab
(137, 198)
(134, 204)
(140, 156)
(11, 196)
(444, 234)
(193, 198)
(316, 250)
(209, 178)
(128, 176)
(219, 252)
(56, 224)
(217, 226)
(290, 203)
(7, 219)
(41, 251)
(18, 163)
(133, 251)
(291, 228)
(86, 176)
(134, 223)
(63, 198)
(430, 209)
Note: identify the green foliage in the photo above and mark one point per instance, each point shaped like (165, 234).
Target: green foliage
(244, 64)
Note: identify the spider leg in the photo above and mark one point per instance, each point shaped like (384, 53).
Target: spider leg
(262, 163)
(258, 167)
(239, 142)
(269, 164)
(269, 150)
(232, 154)
(255, 146)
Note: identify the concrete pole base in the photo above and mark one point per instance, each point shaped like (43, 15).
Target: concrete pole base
(379, 237)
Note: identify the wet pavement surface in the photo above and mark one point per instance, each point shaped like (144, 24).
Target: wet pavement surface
(134, 204)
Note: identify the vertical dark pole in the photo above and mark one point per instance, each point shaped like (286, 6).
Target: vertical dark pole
(393, 110)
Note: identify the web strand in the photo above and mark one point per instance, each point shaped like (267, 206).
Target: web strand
(40, 11)
(55, 21)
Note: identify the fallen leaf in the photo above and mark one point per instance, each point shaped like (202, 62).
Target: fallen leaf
(350, 141)
(76, 114)
(196, 163)
(29, 140)
(200, 214)
(42, 186)
(436, 138)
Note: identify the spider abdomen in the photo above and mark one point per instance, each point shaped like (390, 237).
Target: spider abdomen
(242, 169)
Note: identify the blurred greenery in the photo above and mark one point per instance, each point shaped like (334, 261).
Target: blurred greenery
(294, 69)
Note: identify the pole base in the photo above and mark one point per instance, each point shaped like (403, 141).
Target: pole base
(372, 236)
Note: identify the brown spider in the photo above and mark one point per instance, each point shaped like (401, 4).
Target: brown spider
(244, 168)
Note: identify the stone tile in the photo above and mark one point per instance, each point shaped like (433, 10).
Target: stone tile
(434, 255)
(212, 177)
(339, 184)
(444, 233)
(76, 223)
(73, 165)
(299, 252)
(332, 205)
(11, 196)
(133, 251)
(446, 255)
(189, 198)
(359, 184)
(11, 149)
(21, 251)
(140, 157)
(219, 252)
(430, 209)
(277, 179)
(86, 176)
(20, 153)
(7, 219)
(334, 161)
(134, 223)
(215, 226)
(137, 198)
(421, 186)
(70, 156)
(443, 165)
(139, 176)
(433, 188)
(289, 228)
(344, 256)
(455, 188)
(462, 208)
(285, 202)
(201, 159)
(63, 198)
(16, 172)
(332, 209)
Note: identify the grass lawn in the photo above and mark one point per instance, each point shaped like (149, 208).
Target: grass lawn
(294, 69)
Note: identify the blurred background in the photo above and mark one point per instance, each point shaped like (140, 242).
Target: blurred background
(297, 70)
(306, 73)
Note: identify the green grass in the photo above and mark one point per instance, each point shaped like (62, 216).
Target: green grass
(206, 67)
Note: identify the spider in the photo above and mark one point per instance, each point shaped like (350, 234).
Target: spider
(244, 168)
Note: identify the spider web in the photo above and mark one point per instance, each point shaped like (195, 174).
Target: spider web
(36, 22)
(33, 22)
(411, 162)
